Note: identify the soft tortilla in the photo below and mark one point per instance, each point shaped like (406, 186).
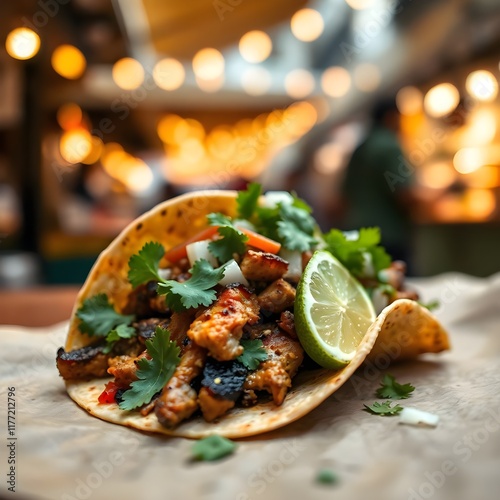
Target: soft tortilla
(402, 331)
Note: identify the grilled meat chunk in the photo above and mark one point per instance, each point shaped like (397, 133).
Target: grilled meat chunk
(277, 297)
(287, 323)
(178, 399)
(85, 363)
(285, 355)
(213, 406)
(262, 266)
(222, 386)
(258, 330)
(219, 328)
(145, 302)
(146, 328)
(124, 369)
(179, 326)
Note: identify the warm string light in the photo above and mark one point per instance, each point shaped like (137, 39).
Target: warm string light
(22, 43)
(69, 62)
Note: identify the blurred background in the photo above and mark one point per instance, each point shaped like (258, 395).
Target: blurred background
(108, 107)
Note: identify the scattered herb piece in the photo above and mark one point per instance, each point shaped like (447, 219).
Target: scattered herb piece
(154, 373)
(326, 476)
(98, 316)
(384, 409)
(120, 332)
(350, 251)
(392, 390)
(212, 448)
(296, 228)
(253, 353)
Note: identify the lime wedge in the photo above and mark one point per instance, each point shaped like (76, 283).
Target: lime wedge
(332, 311)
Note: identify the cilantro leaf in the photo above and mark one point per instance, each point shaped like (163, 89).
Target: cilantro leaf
(232, 241)
(392, 390)
(194, 292)
(120, 332)
(143, 267)
(218, 219)
(293, 238)
(431, 306)
(212, 448)
(253, 353)
(153, 373)
(350, 251)
(326, 476)
(384, 409)
(98, 316)
(246, 201)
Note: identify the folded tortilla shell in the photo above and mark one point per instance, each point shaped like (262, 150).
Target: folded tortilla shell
(171, 223)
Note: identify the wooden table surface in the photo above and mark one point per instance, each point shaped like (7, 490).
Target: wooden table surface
(42, 306)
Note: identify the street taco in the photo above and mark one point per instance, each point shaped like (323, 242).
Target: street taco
(238, 368)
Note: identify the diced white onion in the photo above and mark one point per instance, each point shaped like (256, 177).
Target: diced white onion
(233, 274)
(380, 300)
(165, 274)
(412, 416)
(294, 260)
(368, 267)
(272, 198)
(351, 235)
(199, 250)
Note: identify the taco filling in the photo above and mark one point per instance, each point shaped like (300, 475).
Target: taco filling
(208, 324)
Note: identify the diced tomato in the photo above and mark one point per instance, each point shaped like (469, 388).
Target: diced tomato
(108, 395)
(261, 242)
(179, 252)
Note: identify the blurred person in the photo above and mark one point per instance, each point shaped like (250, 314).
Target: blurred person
(376, 189)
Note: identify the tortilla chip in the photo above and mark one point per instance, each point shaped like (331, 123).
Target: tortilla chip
(172, 223)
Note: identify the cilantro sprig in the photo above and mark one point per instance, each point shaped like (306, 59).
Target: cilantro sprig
(154, 373)
(384, 409)
(120, 332)
(393, 390)
(253, 353)
(231, 240)
(194, 292)
(247, 201)
(351, 251)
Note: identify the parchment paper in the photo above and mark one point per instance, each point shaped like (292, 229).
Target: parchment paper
(63, 453)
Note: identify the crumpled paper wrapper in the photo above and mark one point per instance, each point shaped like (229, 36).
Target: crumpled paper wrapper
(63, 453)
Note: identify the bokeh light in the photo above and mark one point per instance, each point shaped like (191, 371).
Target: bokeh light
(336, 81)
(96, 148)
(329, 158)
(468, 160)
(437, 175)
(482, 85)
(69, 62)
(75, 145)
(128, 73)
(22, 43)
(299, 83)
(409, 101)
(208, 64)
(359, 4)
(441, 100)
(69, 116)
(479, 203)
(367, 77)
(307, 25)
(169, 74)
(255, 46)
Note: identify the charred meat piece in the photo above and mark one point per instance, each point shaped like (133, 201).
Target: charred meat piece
(224, 378)
(146, 328)
(287, 323)
(178, 399)
(124, 369)
(179, 326)
(85, 363)
(219, 328)
(275, 375)
(262, 266)
(277, 297)
(145, 302)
